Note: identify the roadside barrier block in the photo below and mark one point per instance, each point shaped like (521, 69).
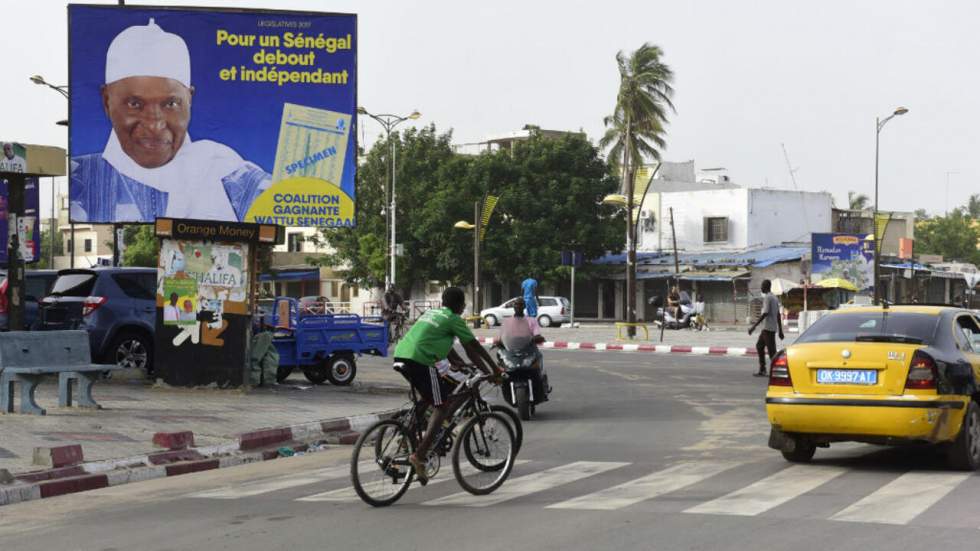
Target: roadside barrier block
(263, 438)
(174, 440)
(59, 456)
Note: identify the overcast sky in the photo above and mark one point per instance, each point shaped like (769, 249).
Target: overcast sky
(749, 76)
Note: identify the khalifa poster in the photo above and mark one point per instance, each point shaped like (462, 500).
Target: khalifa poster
(28, 226)
(845, 256)
(212, 114)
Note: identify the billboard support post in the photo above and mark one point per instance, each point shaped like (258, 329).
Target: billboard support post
(15, 265)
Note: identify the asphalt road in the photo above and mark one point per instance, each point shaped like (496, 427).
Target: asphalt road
(634, 452)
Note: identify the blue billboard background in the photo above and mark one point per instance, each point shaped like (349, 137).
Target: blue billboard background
(845, 256)
(31, 209)
(245, 116)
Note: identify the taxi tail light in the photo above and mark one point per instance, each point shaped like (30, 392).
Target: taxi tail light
(779, 371)
(922, 371)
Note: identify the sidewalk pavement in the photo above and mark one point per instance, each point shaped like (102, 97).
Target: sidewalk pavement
(133, 411)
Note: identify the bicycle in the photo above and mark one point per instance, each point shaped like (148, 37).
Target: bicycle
(396, 325)
(381, 472)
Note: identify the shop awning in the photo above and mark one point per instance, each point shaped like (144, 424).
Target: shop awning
(291, 275)
(719, 275)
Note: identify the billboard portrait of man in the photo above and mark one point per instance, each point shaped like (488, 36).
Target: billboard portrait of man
(13, 159)
(150, 166)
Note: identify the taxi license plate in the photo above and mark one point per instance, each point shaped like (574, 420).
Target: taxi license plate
(847, 376)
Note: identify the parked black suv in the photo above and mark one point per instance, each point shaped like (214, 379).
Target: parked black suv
(37, 283)
(117, 306)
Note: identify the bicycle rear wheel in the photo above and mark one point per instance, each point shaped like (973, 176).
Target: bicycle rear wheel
(379, 468)
(488, 443)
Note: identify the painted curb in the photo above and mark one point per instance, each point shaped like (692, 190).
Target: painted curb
(649, 348)
(252, 447)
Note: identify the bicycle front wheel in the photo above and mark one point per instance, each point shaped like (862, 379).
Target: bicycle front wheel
(379, 467)
(487, 441)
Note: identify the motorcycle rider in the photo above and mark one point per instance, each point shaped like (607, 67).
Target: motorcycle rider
(519, 333)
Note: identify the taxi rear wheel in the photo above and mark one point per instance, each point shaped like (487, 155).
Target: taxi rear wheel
(964, 453)
(802, 452)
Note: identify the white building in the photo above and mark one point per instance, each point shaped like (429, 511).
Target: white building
(731, 219)
(713, 213)
(92, 242)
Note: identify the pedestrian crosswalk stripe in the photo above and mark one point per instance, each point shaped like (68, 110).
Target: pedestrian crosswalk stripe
(266, 486)
(532, 483)
(647, 487)
(902, 499)
(771, 491)
(349, 494)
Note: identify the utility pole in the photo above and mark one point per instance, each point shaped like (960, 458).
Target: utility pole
(476, 260)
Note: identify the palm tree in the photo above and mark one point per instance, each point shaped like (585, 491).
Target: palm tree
(857, 201)
(634, 132)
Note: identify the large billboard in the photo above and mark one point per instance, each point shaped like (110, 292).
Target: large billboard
(845, 256)
(212, 114)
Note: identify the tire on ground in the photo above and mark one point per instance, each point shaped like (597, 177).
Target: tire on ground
(131, 349)
(964, 452)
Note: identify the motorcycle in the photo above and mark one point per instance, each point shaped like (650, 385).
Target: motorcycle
(525, 388)
(691, 316)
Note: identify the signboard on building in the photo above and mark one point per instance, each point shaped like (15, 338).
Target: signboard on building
(212, 114)
(905, 248)
(843, 255)
(28, 225)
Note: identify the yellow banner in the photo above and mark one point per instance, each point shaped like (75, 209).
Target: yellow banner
(488, 205)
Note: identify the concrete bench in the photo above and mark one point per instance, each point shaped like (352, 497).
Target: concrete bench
(27, 357)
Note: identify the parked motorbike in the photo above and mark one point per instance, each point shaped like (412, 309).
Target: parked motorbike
(691, 316)
(525, 388)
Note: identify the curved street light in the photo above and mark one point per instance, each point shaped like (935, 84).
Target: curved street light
(38, 79)
(879, 124)
(389, 122)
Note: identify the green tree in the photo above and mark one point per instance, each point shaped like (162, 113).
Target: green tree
(44, 261)
(857, 201)
(635, 131)
(550, 193)
(921, 214)
(431, 195)
(142, 248)
(954, 236)
(973, 205)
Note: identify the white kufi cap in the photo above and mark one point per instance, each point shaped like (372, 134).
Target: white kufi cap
(148, 51)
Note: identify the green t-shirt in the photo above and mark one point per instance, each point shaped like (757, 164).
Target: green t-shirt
(432, 335)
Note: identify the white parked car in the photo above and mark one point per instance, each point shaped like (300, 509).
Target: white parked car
(551, 311)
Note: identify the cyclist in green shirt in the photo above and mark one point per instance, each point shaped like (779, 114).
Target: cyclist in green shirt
(430, 340)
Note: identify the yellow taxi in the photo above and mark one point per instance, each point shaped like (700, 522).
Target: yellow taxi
(881, 375)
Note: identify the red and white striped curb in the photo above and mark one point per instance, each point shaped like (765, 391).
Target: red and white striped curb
(654, 348)
(70, 473)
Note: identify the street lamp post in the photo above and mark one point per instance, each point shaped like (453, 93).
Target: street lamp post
(879, 124)
(464, 225)
(63, 90)
(389, 122)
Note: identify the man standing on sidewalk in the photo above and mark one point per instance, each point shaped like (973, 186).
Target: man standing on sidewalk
(772, 325)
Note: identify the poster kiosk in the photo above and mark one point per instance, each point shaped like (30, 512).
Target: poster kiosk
(206, 283)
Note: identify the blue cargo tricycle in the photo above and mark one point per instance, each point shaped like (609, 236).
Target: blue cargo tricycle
(324, 345)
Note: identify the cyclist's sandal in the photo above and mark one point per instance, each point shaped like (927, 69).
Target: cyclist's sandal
(419, 467)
